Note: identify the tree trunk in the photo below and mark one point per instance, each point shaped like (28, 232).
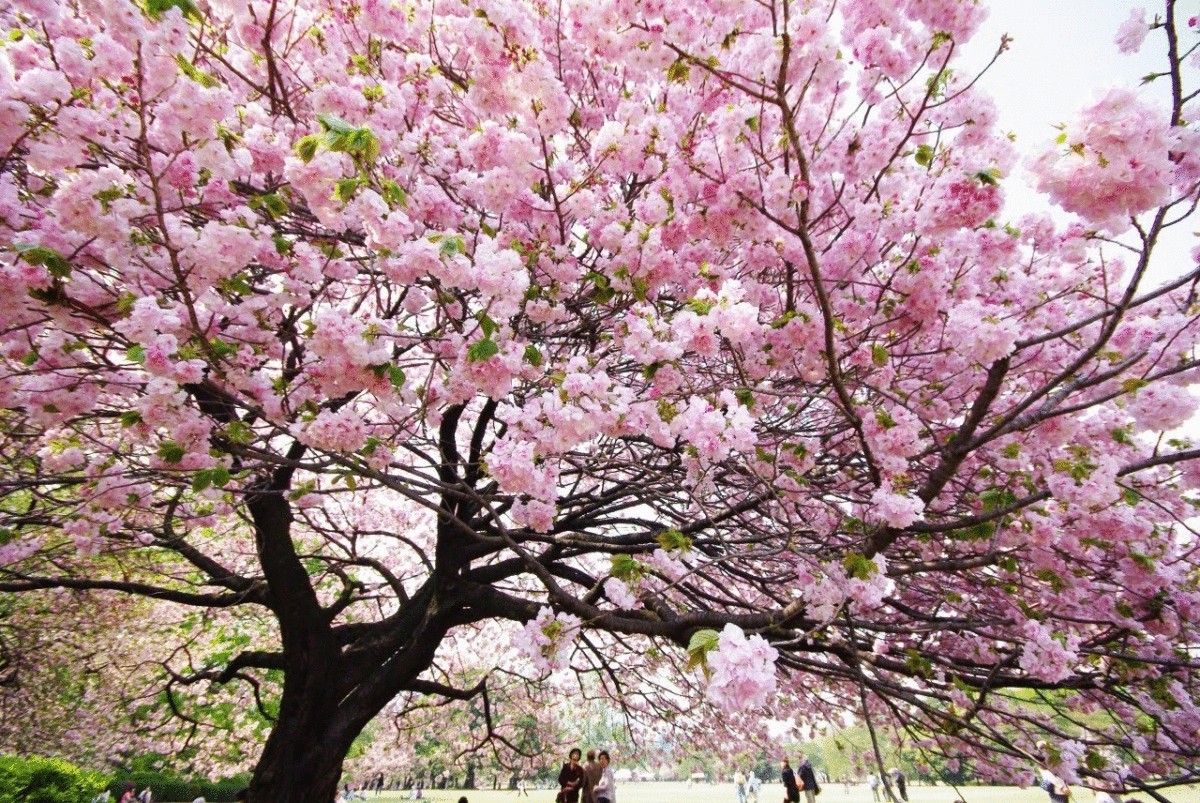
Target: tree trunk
(302, 759)
(297, 768)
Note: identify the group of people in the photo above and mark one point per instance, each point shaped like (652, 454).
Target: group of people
(747, 787)
(802, 779)
(129, 795)
(897, 780)
(592, 782)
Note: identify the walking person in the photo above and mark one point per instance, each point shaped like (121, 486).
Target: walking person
(1054, 786)
(789, 782)
(739, 786)
(1048, 781)
(873, 782)
(808, 779)
(570, 779)
(752, 787)
(900, 782)
(605, 790)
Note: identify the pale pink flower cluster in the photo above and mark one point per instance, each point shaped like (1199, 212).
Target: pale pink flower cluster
(1097, 489)
(547, 640)
(344, 352)
(1132, 32)
(1045, 657)
(672, 567)
(895, 509)
(1162, 407)
(828, 588)
(619, 593)
(979, 334)
(894, 435)
(742, 671)
(715, 432)
(1115, 161)
(964, 203)
(340, 431)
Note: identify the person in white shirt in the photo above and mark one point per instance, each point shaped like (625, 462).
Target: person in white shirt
(605, 790)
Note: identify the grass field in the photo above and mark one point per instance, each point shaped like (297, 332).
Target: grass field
(668, 792)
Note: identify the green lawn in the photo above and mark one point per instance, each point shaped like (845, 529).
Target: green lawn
(668, 792)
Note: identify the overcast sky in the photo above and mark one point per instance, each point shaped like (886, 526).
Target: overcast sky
(1061, 59)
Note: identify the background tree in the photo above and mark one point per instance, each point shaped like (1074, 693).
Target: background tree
(643, 328)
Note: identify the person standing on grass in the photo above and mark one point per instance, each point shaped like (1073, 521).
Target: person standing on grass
(789, 782)
(873, 782)
(605, 790)
(739, 786)
(808, 779)
(570, 779)
(591, 776)
(1054, 786)
(752, 787)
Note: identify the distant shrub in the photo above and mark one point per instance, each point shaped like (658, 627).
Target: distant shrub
(168, 786)
(46, 780)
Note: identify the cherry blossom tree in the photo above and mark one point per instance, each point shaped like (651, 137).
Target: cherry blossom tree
(688, 346)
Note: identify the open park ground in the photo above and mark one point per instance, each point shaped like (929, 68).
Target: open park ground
(668, 792)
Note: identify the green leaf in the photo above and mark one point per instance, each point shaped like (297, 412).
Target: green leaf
(171, 452)
(701, 306)
(130, 418)
(306, 147)
(275, 205)
(700, 645)
(859, 566)
(486, 323)
(533, 356)
(396, 375)
(481, 350)
(335, 125)
(453, 246)
(41, 255)
(673, 541)
(344, 189)
(195, 73)
(626, 567)
(29, 359)
(220, 349)
(394, 194)
(1133, 385)
(679, 72)
(987, 177)
(746, 397)
(238, 432)
(156, 8)
(997, 498)
(924, 156)
(136, 354)
(879, 355)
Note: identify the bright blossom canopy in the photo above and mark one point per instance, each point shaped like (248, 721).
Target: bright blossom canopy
(595, 331)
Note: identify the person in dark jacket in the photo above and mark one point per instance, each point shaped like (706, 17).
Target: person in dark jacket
(570, 779)
(808, 779)
(789, 782)
(900, 782)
